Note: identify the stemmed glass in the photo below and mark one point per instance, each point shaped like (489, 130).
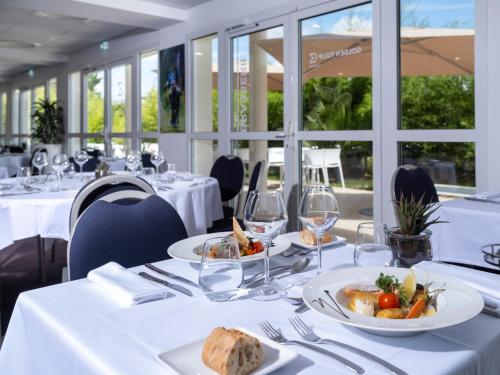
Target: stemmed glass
(265, 217)
(133, 160)
(40, 160)
(59, 163)
(318, 212)
(157, 159)
(81, 157)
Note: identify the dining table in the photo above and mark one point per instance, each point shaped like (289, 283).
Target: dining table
(24, 214)
(79, 328)
(9, 163)
(467, 226)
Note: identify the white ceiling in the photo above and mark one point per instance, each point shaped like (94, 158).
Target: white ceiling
(51, 30)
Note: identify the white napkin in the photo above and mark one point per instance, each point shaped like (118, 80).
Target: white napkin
(181, 184)
(486, 195)
(125, 285)
(487, 284)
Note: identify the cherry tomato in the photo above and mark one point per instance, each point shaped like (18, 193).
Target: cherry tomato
(388, 301)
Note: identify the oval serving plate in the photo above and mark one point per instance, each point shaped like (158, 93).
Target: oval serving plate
(457, 304)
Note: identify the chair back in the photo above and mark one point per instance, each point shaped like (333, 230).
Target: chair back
(276, 156)
(34, 171)
(131, 234)
(146, 161)
(229, 172)
(410, 180)
(331, 156)
(254, 178)
(314, 158)
(101, 187)
(16, 149)
(89, 166)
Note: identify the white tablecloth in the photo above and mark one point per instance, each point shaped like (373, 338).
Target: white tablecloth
(76, 328)
(13, 162)
(4, 172)
(116, 165)
(471, 225)
(47, 213)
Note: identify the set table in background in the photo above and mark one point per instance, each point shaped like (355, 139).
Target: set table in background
(10, 163)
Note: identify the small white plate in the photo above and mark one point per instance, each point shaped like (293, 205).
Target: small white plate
(457, 304)
(187, 359)
(189, 248)
(294, 238)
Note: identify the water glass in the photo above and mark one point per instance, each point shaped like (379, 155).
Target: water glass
(371, 247)
(23, 177)
(133, 161)
(70, 171)
(157, 159)
(170, 174)
(318, 212)
(265, 217)
(221, 272)
(148, 174)
(40, 161)
(81, 157)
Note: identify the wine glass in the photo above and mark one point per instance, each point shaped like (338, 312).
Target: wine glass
(40, 160)
(133, 160)
(23, 177)
(157, 159)
(265, 217)
(371, 247)
(81, 157)
(318, 212)
(59, 163)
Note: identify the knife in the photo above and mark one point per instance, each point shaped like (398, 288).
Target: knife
(166, 283)
(301, 308)
(171, 275)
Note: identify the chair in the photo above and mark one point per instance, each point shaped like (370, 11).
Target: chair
(34, 171)
(89, 166)
(409, 180)
(229, 172)
(101, 187)
(146, 161)
(331, 159)
(15, 149)
(314, 159)
(130, 234)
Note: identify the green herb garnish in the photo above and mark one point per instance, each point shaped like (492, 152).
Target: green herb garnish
(387, 283)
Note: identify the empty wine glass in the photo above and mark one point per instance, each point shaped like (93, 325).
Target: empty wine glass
(133, 160)
(59, 163)
(157, 159)
(81, 157)
(265, 217)
(318, 212)
(371, 247)
(221, 272)
(40, 160)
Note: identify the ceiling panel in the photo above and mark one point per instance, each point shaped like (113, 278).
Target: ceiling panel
(183, 4)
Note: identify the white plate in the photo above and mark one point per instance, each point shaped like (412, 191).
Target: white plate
(187, 249)
(187, 359)
(457, 304)
(294, 238)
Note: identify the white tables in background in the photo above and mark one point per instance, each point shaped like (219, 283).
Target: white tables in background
(4, 172)
(12, 162)
(472, 224)
(78, 328)
(116, 165)
(47, 213)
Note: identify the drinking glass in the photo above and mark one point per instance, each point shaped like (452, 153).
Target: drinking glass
(318, 212)
(59, 163)
(265, 217)
(40, 160)
(148, 174)
(71, 170)
(157, 159)
(23, 177)
(170, 174)
(81, 157)
(133, 161)
(371, 247)
(221, 272)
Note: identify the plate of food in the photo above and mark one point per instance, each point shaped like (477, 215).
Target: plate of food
(191, 249)
(392, 301)
(307, 240)
(228, 351)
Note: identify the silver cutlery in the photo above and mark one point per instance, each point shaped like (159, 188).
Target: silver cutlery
(297, 301)
(171, 275)
(296, 267)
(30, 188)
(308, 334)
(276, 335)
(302, 308)
(6, 186)
(290, 252)
(179, 288)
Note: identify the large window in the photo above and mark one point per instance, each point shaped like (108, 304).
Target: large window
(121, 99)
(74, 102)
(95, 87)
(14, 127)
(52, 89)
(3, 116)
(149, 92)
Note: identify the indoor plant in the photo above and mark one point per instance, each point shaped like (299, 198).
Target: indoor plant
(48, 129)
(411, 240)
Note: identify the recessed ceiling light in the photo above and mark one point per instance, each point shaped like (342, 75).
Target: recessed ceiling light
(40, 13)
(31, 73)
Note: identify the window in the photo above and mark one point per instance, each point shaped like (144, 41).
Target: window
(205, 68)
(205, 153)
(95, 102)
(74, 103)
(3, 114)
(38, 94)
(25, 116)
(53, 89)
(149, 145)
(14, 130)
(149, 92)
(121, 99)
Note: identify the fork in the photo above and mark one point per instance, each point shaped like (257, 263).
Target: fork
(308, 334)
(276, 335)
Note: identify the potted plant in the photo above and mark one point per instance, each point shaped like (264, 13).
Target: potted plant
(48, 129)
(411, 240)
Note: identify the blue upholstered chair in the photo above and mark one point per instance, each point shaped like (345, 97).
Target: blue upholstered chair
(89, 166)
(410, 180)
(229, 172)
(130, 234)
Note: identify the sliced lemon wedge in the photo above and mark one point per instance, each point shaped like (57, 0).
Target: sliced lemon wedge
(409, 285)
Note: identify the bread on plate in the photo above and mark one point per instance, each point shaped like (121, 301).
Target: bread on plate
(309, 237)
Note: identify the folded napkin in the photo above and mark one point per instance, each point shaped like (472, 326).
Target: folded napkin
(486, 195)
(487, 284)
(182, 184)
(125, 285)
